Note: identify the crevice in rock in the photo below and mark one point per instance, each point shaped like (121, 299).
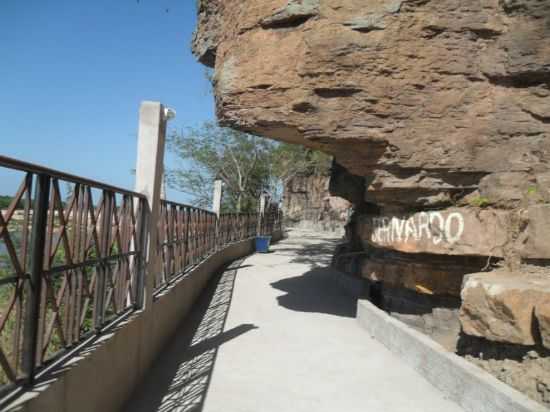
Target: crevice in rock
(485, 33)
(304, 107)
(261, 86)
(521, 80)
(431, 32)
(540, 118)
(288, 22)
(329, 93)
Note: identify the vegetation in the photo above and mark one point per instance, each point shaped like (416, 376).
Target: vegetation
(247, 165)
(480, 201)
(5, 202)
(532, 190)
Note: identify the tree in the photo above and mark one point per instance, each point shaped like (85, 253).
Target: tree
(246, 164)
(210, 152)
(291, 160)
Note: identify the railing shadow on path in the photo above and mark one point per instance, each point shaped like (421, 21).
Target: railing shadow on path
(180, 378)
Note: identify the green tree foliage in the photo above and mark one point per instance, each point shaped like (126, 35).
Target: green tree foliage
(5, 202)
(210, 152)
(246, 164)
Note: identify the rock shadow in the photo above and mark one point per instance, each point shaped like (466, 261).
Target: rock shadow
(316, 291)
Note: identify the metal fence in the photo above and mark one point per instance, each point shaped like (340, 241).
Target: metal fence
(187, 235)
(73, 262)
(73, 259)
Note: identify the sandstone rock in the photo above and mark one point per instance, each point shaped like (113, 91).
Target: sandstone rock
(500, 306)
(453, 231)
(205, 41)
(296, 11)
(542, 313)
(451, 89)
(433, 277)
(307, 201)
(437, 113)
(534, 239)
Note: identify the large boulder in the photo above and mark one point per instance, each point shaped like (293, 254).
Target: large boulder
(500, 306)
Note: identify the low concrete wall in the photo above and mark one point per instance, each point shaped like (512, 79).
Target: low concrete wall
(464, 383)
(102, 375)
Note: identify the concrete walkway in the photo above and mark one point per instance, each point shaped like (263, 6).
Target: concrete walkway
(275, 333)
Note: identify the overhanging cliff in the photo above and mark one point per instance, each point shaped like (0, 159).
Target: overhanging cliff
(438, 115)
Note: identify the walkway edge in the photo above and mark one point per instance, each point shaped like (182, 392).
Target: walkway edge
(462, 382)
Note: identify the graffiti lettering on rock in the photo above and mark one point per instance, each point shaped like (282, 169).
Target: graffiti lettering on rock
(432, 226)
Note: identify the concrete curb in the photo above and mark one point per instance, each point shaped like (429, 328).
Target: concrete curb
(462, 382)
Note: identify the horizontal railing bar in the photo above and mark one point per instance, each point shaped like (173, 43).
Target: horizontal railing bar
(92, 262)
(8, 162)
(177, 204)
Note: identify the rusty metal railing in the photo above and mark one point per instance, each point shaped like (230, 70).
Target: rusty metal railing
(73, 260)
(186, 235)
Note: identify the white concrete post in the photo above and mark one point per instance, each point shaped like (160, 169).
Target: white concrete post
(149, 179)
(263, 201)
(217, 198)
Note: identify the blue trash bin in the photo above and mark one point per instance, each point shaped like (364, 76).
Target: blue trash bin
(262, 244)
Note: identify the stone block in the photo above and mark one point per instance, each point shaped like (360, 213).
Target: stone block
(500, 306)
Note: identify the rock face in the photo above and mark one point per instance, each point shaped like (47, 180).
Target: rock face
(308, 203)
(501, 306)
(437, 113)
(542, 313)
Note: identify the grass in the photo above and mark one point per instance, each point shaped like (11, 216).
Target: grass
(480, 201)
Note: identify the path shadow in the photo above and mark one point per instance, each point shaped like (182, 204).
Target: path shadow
(316, 291)
(180, 378)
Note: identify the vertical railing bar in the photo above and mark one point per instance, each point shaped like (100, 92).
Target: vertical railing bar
(38, 239)
(102, 267)
(24, 262)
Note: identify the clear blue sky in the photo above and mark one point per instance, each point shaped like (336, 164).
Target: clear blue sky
(73, 73)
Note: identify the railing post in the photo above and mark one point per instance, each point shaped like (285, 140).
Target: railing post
(217, 207)
(143, 217)
(149, 178)
(34, 284)
(103, 269)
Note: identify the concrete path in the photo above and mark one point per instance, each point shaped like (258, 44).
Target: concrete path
(275, 333)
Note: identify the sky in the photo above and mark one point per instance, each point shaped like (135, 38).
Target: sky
(73, 74)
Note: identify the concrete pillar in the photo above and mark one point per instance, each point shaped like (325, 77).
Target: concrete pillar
(261, 212)
(217, 198)
(149, 180)
(263, 201)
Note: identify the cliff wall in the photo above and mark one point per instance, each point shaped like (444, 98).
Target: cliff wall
(307, 203)
(438, 116)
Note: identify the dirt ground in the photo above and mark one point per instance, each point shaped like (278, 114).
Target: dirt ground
(530, 375)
